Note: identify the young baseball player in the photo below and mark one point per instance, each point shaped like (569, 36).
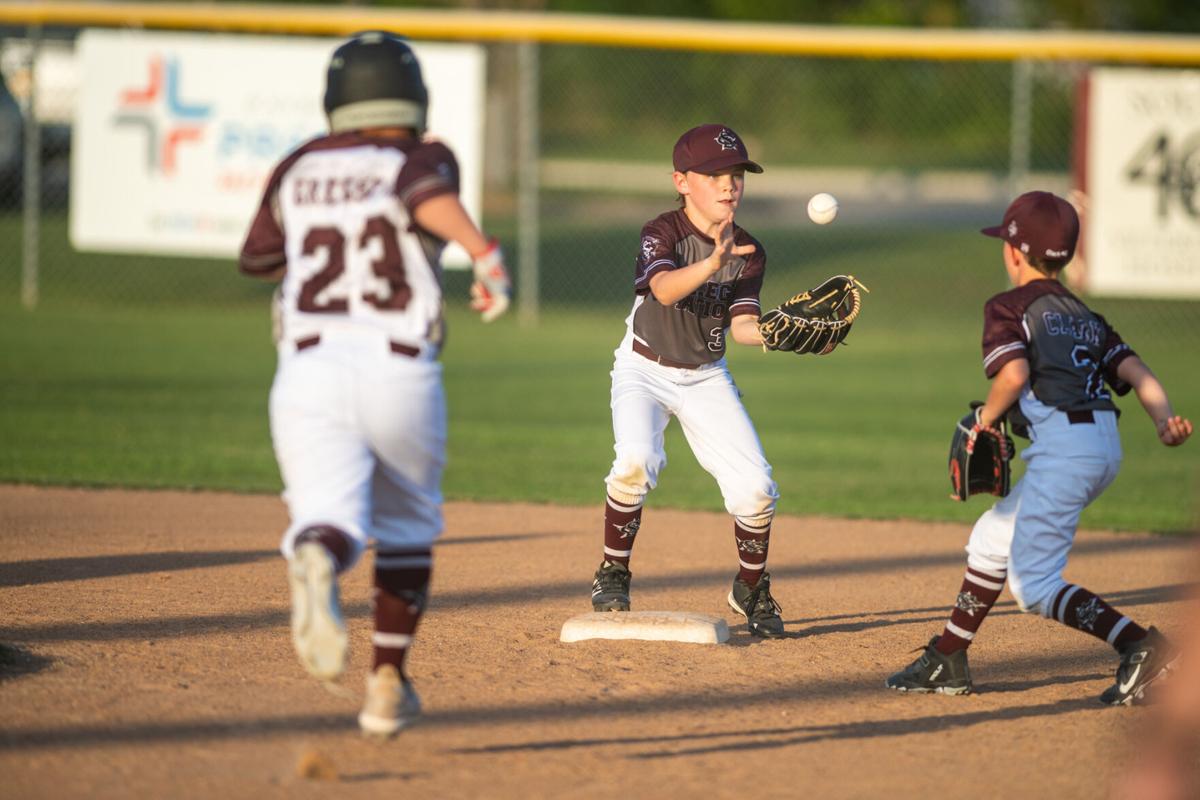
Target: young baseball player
(697, 278)
(354, 223)
(1050, 355)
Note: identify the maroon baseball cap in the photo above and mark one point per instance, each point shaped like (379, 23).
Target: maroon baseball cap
(1039, 224)
(711, 148)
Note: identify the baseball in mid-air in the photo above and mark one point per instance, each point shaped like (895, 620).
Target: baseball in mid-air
(822, 208)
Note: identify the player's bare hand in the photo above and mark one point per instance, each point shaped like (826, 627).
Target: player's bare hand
(1174, 431)
(724, 247)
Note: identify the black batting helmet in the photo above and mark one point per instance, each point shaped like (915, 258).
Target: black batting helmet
(374, 80)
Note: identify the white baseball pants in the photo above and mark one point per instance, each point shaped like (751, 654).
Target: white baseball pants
(360, 436)
(714, 421)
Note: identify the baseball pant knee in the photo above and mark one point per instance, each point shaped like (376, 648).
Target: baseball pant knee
(634, 473)
(1034, 592)
(754, 503)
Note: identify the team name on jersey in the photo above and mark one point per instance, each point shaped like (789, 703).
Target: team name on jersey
(1082, 329)
(710, 300)
(331, 191)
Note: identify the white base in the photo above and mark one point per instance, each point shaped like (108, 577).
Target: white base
(657, 626)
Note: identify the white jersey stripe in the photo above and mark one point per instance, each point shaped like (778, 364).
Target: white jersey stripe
(999, 351)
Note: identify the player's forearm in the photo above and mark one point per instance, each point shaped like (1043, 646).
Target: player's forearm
(744, 330)
(1146, 386)
(445, 217)
(1006, 389)
(673, 285)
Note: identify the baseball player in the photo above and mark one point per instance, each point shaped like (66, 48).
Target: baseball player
(354, 223)
(1049, 357)
(697, 278)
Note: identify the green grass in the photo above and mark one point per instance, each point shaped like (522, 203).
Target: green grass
(169, 388)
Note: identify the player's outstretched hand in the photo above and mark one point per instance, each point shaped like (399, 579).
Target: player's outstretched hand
(1174, 431)
(492, 290)
(725, 248)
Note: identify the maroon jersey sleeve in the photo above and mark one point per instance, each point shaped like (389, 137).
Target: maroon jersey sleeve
(263, 249)
(747, 287)
(431, 170)
(657, 253)
(1115, 351)
(1004, 336)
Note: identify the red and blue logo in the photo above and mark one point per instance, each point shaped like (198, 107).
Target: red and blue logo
(167, 119)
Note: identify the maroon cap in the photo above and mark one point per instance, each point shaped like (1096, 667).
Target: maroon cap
(709, 149)
(1039, 224)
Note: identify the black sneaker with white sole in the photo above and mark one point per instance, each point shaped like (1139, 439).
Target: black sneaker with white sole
(756, 604)
(934, 672)
(1143, 663)
(610, 587)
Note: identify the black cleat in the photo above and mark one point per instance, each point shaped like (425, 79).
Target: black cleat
(758, 607)
(610, 587)
(1142, 663)
(934, 672)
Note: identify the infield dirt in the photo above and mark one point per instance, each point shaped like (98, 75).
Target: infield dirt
(146, 653)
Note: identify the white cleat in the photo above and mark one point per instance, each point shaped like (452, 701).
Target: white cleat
(318, 630)
(391, 705)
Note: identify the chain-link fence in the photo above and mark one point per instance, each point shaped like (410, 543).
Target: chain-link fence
(921, 153)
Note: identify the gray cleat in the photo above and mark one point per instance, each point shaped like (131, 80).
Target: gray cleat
(610, 587)
(934, 672)
(756, 604)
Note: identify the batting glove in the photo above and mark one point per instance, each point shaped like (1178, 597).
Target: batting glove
(492, 289)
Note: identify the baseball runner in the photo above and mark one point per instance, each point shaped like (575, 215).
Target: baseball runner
(696, 282)
(354, 223)
(1049, 357)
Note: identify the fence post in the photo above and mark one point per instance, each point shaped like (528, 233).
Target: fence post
(528, 155)
(1021, 126)
(31, 180)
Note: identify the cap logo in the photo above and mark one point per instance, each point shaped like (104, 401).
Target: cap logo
(1025, 247)
(1056, 253)
(1012, 228)
(726, 139)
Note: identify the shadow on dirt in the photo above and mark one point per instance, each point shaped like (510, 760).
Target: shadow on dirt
(1012, 676)
(16, 662)
(55, 570)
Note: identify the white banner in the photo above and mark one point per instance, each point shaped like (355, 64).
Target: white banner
(176, 134)
(1143, 183)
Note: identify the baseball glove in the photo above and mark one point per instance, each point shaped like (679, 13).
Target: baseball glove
(979, 457)
(815, 321)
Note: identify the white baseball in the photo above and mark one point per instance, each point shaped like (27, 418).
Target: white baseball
(822, 208)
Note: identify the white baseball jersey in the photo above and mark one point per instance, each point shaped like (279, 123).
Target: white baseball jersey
(671, 362)
(357, 408)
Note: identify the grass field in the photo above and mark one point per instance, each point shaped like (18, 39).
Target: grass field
(147, 373)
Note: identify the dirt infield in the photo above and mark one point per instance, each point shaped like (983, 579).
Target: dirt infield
(146, 654)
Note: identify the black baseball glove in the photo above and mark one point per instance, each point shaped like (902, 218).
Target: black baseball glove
(815, 321)
(979, 457)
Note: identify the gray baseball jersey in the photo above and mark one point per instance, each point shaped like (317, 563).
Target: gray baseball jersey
(692, 331)
(1071, 349)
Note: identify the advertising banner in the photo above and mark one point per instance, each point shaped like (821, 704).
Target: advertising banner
(1142, 218)
(176, 134)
